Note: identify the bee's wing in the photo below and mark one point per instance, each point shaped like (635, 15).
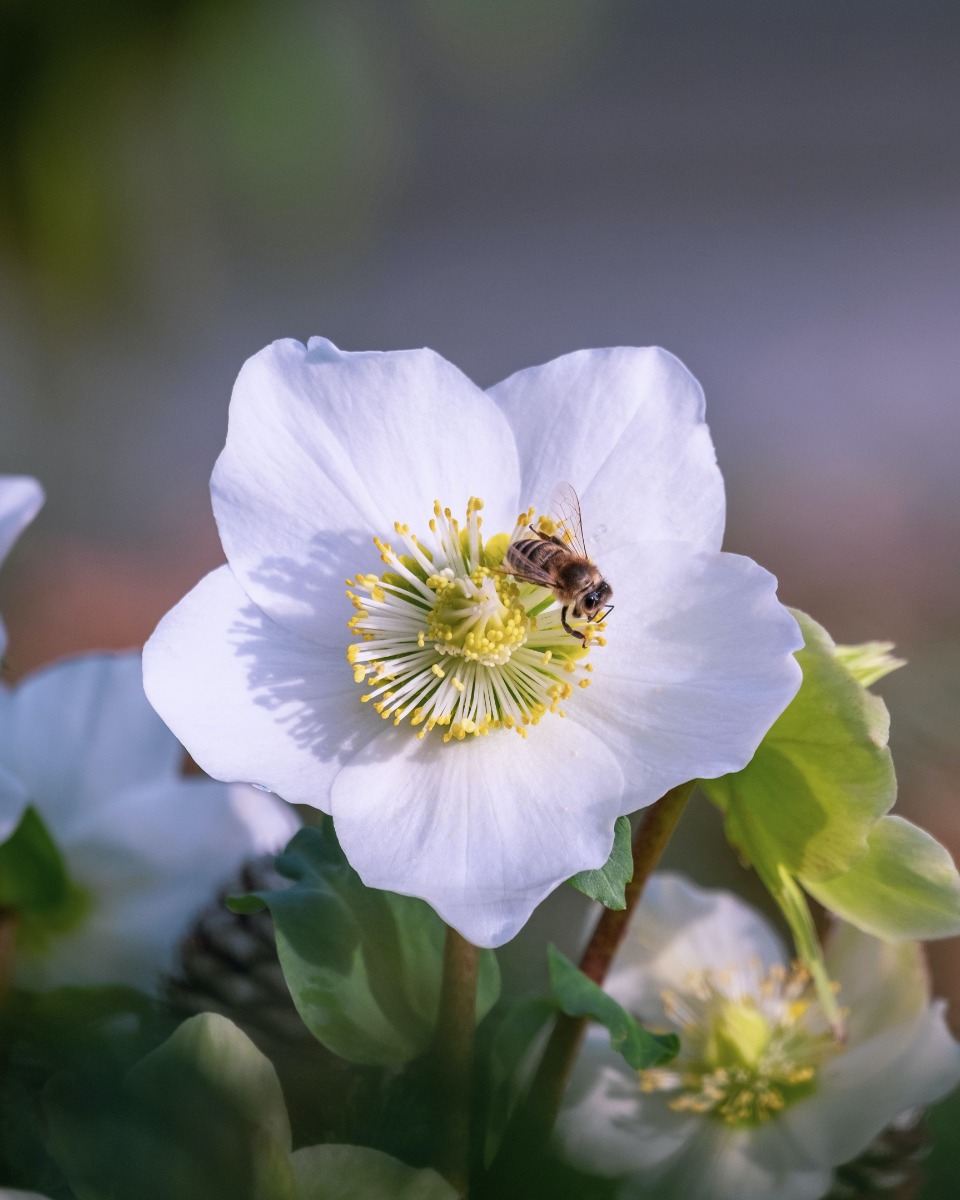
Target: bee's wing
(564, 509)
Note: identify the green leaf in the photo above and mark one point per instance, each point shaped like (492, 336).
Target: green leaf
(35, 884)
(33, 874)
(906, 887)
(607, 884)
(363, 966)
(821, 778)
(201, 1117)
(505, 1041)
(579, 996)
(359, 1173)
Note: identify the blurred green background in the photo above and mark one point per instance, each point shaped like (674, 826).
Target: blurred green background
(769, 189)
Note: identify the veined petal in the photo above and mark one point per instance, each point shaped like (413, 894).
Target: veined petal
(679, 930)
(77, 732)
(626, 427)
(326, 449)
(250, 700)
(481, 833)
(699, 665)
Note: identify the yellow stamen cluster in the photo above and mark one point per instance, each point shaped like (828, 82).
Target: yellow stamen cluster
(751, 1043)
(447, 639)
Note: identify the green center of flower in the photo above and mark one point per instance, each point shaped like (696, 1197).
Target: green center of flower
(447, 639)
(750, 1044)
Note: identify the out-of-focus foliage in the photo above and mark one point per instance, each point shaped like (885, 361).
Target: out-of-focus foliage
(608, 882)
(363, 966)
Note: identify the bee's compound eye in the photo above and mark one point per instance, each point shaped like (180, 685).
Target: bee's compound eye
(591, 600)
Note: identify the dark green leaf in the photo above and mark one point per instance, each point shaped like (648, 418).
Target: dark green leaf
(579, 996)
(34, 883)
(607, 884)
(363, 966)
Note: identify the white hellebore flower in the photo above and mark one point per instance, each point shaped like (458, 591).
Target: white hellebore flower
(143, 846)
(20, 500)
(373, 469)
(762, 1102)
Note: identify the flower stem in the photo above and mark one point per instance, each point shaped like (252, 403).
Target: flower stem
(453, 1052)
(8, 944)
(549, 1083)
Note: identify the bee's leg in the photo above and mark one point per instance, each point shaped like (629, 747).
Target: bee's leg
(563, 621)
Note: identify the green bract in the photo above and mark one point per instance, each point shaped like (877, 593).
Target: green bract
(363, 966)
(578, 996)
(905, 887)
(811, 806)
(608, 882)
(822, 776)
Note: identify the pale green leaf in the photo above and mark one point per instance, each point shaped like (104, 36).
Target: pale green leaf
(821, 778)
(359, 1173)
(906, 887)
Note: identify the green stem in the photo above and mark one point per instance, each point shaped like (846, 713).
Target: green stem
(532, 1125)
(453, 1052)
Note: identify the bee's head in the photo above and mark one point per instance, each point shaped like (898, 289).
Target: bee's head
(596, 599)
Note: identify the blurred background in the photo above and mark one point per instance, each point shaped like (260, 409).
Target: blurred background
(769, 189)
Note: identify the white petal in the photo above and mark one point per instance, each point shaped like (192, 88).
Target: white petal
(325, 449)
(720, 1163)
(884, 985)
(252, 701)
(20, 500)
(149, 862)
(81, 730)
(697, 667)
(481, 829)
(607, 1126)
(861, 1091)
(680, 929)
(626, 427)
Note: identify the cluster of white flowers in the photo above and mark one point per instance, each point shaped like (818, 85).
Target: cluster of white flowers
(372, 650)
(143, 846)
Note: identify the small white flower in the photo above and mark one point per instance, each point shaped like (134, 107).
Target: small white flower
(761, 1103)
(20, 501)
(144, 847)
(360, 473)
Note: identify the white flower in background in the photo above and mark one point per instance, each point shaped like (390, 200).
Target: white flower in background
(20, 501)
(762, 1102)
(366, 468)
(144, 847)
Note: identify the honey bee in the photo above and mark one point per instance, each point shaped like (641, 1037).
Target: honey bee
(559, 561)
